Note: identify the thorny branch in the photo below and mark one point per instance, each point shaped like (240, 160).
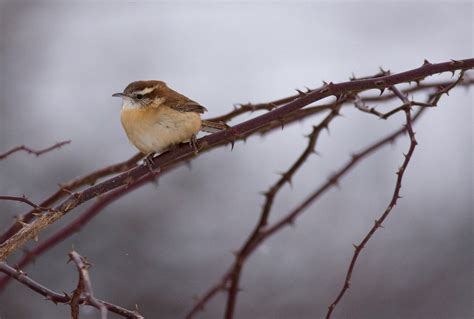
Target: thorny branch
(396, 195)
(233, 274)
(69, 187)
(290, 217)
(56, 297)
(25, 200)
(283, 111)
(31, 231)
(243, 252)
(32, 151)
(84, 287)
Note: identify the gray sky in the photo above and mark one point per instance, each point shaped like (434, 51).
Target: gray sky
(157, 247)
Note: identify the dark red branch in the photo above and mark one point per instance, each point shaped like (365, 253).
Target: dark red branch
(32, 151)
(396, 195)
(25, 200)
(89, 179)
(55, 297)
(252, 125)
(85, 286)
(265, 213)
(74, 226)
(290, 217)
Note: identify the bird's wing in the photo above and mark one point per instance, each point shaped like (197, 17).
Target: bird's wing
(189, 106)
(183, 104)
(213, 127)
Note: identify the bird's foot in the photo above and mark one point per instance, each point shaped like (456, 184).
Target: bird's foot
(149, 163)
(193, 142)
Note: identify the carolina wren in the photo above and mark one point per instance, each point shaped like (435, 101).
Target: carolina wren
(156, 118)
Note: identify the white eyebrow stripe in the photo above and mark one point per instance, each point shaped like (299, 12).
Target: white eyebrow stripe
(146, 90)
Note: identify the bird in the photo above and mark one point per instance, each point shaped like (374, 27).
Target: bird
(157, 118)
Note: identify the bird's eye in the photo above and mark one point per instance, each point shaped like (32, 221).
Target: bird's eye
(139, 96)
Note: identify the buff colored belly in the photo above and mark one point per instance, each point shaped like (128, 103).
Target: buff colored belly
(154, 130)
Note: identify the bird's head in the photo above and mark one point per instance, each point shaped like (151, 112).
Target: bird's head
(141, 94)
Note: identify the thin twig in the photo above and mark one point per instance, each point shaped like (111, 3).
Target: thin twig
(25, 200)
(265, 213)
(32, 151)
(55, 297)
(84, 285)
(396, 195)
(72, 185)
(75, 225)
(291, 216)
(240, 109)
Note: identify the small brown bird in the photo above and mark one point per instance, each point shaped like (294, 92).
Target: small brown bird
(156, 118)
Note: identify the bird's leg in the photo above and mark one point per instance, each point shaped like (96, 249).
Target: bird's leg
(149, 163)
(193, 142)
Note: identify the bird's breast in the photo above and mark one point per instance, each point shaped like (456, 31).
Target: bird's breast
(153, 130)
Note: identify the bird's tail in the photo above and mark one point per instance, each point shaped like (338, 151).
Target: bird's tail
(213, 127)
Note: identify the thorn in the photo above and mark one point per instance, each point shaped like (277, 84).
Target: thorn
(315, 152)
(384, 72)
(335, 180)
(22, 223)
(68, 296)
(282, 123)
(378, 224)
(325, 83)
(381, 91)
(189, 165)
(355, 246)
(426, 62)
(232, 144)
(300, 93)
(327, 128)
(287, 178)
(264, 193)
(352, 77)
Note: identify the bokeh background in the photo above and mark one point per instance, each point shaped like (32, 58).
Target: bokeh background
(160, 246)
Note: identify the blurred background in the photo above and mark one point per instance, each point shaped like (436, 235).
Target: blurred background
(160, 246)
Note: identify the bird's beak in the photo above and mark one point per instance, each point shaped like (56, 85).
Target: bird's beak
(118, 95)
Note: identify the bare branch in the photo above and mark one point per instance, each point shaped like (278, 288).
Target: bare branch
(240, 109)
(75, 225)
(291, 216)
(55, 297)
(32, 151)
(396, 195)
(89, 179)
(85, 286)
(25, 200)
(235, 132)
(265, 213)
